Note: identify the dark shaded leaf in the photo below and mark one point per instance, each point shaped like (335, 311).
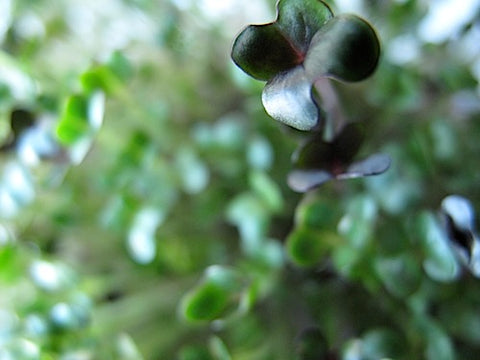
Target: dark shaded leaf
(20, 120)
(312, 345)
(346, 48)
(262, 51)
(459, 218)
(317, 153)
(318, 161)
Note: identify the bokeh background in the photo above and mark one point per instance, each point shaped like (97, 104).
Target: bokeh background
(144, 211)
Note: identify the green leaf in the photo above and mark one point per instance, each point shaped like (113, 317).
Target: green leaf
(107, 77)
(346, 48)
(99, 78)
(219, 349)
(81, 116)
(267, 190)
(401, 275)
(383, 343)
(315, 214)
(262, 51)
(307, 247)
(312, 345)
(217, 295)
(73, 124)
(440, 263)
(120, 66)
(207, 302)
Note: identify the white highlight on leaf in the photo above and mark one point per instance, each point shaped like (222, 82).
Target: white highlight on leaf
(288, 98)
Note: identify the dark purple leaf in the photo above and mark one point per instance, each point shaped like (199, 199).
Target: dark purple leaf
(346, 48)
(262, 51)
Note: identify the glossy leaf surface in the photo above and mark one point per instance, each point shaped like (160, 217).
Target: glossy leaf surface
(288, 98)
(346, 48)
(262, 51)
(305, 44)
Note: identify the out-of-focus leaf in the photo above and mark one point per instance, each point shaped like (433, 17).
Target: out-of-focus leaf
(20, 120)
(438, 344)
(248, 212)
(315, 214)
(81, 116)
(307, 247)
(74, 122)
(317, 153)
(312, 345)
(382, 344)
(267, 190)
(357, 224)
(440, 263)
(120, 65)
(107, 77)
(318, 161)
(99, 77)
(459, 218)
(217, 295)
(219, 349)
(401, 275)
(192, 352)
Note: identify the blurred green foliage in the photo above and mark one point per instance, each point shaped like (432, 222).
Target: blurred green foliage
(145, 214)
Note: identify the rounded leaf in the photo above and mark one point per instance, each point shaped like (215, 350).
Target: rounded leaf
(306, 247)
(262, 51)
(301, 20)
(346, 48)
(207, 302)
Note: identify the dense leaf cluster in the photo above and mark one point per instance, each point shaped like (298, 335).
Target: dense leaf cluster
(146, 203)
(304, 46)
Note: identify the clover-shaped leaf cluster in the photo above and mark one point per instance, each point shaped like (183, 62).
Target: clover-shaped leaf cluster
(305, 44)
